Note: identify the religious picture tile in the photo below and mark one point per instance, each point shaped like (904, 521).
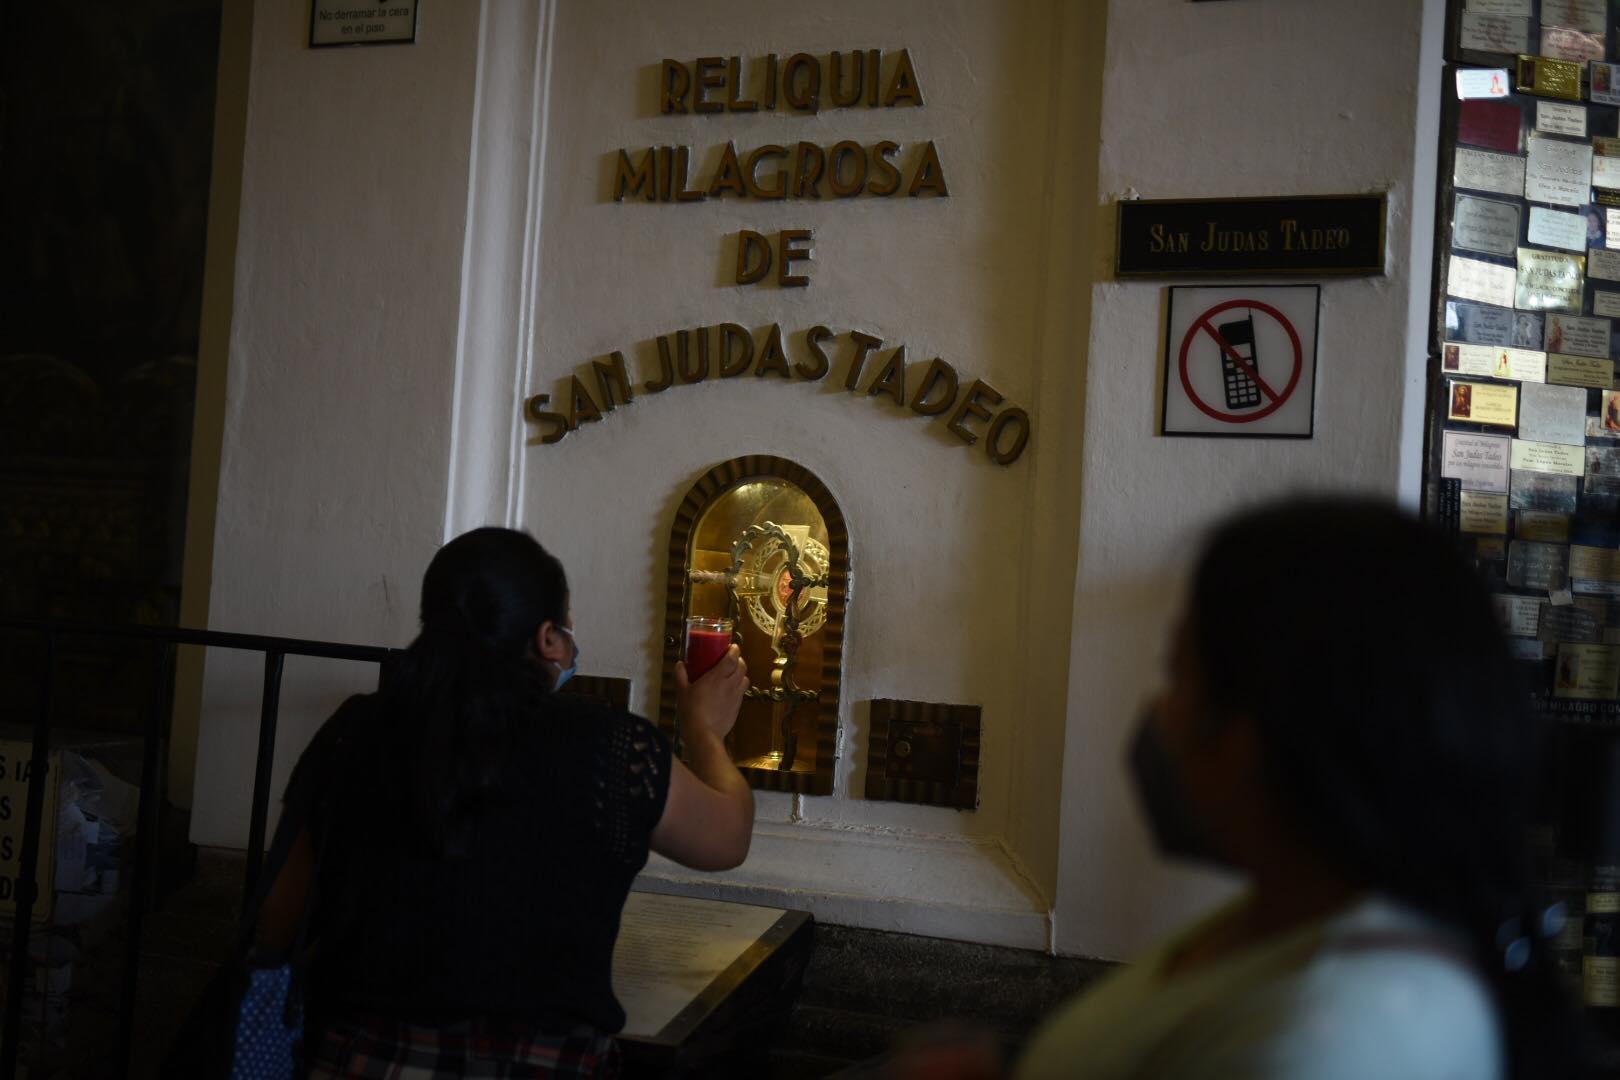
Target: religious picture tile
(1586, 672)
(1605, 84)
(1480, 324)
(1483, 403)
(1489, 125)
(1578, 335)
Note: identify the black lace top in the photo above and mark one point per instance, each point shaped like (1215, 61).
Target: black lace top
(522, 929)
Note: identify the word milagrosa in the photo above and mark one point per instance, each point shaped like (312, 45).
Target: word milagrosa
(664, 173)
(729, 351)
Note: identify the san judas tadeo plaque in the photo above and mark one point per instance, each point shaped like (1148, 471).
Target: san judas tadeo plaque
(1301, 234)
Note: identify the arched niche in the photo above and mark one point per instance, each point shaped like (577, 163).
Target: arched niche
(752, 533)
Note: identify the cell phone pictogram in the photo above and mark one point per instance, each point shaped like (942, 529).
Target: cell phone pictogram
(1242, 392)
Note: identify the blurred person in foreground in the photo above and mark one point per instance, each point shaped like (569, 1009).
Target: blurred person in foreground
(1362, 756)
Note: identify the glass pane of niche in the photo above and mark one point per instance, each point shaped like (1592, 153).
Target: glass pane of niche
(765, 544)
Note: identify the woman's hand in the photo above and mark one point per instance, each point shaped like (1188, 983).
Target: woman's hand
(710, 705)
(708, 819)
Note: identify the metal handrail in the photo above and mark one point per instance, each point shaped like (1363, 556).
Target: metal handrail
(275, 650)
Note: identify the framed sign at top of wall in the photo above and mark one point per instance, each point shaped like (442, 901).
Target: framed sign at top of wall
(361, 22)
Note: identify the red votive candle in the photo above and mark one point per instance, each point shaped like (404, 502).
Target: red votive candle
(706, 643)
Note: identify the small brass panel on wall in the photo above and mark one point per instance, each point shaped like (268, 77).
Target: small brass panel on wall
(924, 752)
(603, 689)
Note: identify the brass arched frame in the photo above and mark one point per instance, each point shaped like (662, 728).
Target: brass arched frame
(709, 487)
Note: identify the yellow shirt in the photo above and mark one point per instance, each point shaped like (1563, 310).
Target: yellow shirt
(1290, 1008)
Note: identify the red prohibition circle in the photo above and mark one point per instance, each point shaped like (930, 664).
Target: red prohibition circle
(1293, 379)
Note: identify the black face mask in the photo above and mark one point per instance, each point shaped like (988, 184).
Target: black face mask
(1159, 790)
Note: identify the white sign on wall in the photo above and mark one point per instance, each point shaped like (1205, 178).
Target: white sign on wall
(1240, 360)
(16, 760)
(361, 22)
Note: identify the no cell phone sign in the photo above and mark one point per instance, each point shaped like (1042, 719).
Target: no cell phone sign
(1241, 361)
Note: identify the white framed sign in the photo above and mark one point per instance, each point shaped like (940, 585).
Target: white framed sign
(361, 22)
(16, 764)
(1240, 361)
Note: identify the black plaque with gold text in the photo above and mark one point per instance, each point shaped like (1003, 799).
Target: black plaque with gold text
(1299, 234)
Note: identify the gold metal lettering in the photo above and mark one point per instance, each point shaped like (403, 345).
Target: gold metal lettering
(835, 168)
(771, 357)
(883, 167)
(973, 403)
(812, 340)
(612, 380)
(807, 99)
(666, 158)
(939, 374)
(864, 344)
(753, 257)
(581, 406)
(903, 87)
(683, 159)
(734, 87)
(992, 438)
(736, 350)
(674, 80)
(729, 175)
(666, 368)
(710, 76)
(636, 179)
(835, 79)
(930, 175)
(554, 425)
(808, 165)
(692, 366)
(790, 255)
(751, 173)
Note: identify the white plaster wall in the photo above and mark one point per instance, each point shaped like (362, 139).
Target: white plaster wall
(1251, 98)
(941, 537)
(373, 336)
(378, 346)
(334, 457)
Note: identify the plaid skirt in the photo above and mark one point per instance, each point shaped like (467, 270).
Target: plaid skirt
(382, 1049)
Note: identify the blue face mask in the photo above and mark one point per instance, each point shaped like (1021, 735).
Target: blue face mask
(566, 673)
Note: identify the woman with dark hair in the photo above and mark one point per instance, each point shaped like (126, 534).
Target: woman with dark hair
(1364, 759)
(470, 834)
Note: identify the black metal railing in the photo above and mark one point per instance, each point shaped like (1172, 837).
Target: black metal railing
(143, 880)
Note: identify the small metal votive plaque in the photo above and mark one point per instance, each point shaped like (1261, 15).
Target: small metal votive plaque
(924, 752)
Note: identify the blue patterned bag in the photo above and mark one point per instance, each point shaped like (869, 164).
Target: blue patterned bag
(269, 1026)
